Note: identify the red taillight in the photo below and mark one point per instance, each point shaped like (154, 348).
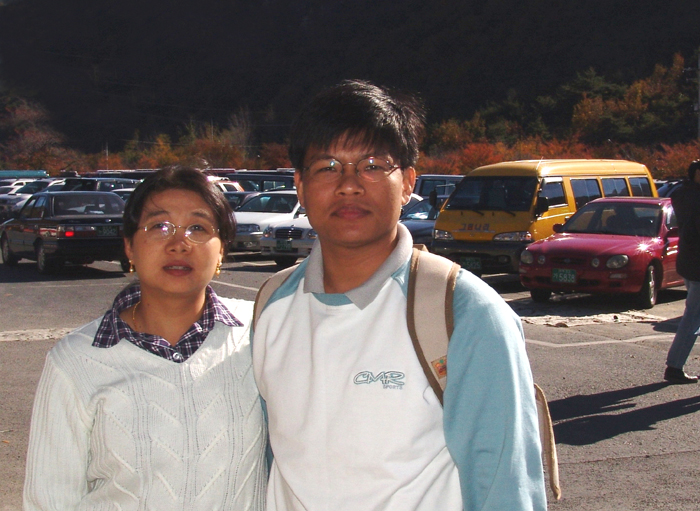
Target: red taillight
(69, 234)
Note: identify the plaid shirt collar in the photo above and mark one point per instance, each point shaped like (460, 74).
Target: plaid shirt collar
(113, 329)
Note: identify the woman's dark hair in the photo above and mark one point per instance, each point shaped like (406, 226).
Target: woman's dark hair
(364, 113)
(180, 178)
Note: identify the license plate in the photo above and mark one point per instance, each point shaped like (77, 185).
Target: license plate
(562, 276)
(107, 230)
(284, 245)
(470, 263)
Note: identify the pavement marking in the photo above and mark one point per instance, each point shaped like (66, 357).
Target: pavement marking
(655, 337)
(41, 334)
(234, 285)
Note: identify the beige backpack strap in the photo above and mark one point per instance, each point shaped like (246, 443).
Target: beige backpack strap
(265, 292)
(432, 280)
(549, 447)
(431, 285)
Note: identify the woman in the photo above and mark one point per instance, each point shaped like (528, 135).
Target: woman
(154, 406)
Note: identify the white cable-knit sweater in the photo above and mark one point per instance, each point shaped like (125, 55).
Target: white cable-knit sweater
(122, 429)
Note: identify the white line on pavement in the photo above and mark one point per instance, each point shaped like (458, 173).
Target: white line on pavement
(234, 285)
(656, 337)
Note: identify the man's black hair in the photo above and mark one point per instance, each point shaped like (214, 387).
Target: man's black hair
(692, 169)
(362, 113)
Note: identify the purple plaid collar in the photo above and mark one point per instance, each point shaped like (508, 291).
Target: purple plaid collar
(113, 329)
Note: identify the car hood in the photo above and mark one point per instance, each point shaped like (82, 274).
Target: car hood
(301, 222)
(589, 244)
(250, 217)
(423, 227)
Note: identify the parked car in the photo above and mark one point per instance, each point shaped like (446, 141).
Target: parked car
(124, 193)
(613, 245)
(12, 203)
(100, 184)
(288, 240)
(420, 221)
(667, 188)
(236, 199)
(58, 227)
(263, 180)
(253, 217)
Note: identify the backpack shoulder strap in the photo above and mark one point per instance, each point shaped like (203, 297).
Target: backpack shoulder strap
(265, 292)
(430, 320)
(431, 285)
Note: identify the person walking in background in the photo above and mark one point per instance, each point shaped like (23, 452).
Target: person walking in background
(686, 204)
(353, 421)
(153, 405)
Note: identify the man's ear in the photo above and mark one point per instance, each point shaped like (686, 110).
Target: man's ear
(299, 183)
(409, 181)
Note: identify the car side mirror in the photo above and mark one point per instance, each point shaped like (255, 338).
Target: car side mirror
(557, 228)
(672, 232)
(542, 206)
(433, 198)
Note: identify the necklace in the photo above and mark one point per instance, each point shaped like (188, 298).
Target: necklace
(133, 314)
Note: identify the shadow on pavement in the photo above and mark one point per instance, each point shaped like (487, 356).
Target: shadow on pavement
(27, 272)
(586, 420)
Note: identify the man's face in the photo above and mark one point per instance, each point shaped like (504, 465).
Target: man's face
(353, 213)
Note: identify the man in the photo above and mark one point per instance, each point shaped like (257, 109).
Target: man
(686, 204)
(353, 422)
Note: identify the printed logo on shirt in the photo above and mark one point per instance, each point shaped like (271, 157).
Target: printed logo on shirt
(388, 379)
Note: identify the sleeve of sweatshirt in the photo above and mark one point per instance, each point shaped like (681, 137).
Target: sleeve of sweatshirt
(57, 457)
(490, 417)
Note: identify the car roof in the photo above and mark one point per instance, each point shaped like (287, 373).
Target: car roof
(641, 200)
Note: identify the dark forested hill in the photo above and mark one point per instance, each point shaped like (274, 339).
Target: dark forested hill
(106, 68)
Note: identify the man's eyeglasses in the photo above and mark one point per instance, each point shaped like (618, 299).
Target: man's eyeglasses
(196, 233)
(329, 170)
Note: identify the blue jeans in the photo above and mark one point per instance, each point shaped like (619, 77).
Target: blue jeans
(686, 334)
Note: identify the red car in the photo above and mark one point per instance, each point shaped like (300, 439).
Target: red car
(611, 245)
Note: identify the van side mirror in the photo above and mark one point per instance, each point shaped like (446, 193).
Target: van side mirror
(542, 206)
(433, 198)
(557, 228)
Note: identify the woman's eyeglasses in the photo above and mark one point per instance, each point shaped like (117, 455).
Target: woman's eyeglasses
(196, 233)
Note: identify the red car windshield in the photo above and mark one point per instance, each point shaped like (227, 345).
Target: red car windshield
(616, 218)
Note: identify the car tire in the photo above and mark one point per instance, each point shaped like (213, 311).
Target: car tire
(540, 295)
(285, 262)
(126, 265)
(646, 297)
(44, 264)
(8, 258)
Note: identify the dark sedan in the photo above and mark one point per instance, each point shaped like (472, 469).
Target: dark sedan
(54, 228)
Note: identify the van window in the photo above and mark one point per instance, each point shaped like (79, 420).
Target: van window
(585, 190)
(494, 193)
(615, 187)
(640, 186)
(554, 192)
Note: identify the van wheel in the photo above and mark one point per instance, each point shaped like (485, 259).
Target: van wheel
(8, 258)
(285, 262)
(540, 295)
(646, 297)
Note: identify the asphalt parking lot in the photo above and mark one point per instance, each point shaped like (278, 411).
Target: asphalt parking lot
(626, 440)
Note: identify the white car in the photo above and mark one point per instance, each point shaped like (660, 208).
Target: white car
(253, 217)
(12, 202)
(288, 240)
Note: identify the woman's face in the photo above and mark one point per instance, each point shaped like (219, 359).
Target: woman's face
(174, 266)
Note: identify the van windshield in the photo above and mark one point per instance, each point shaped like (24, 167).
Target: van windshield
(494, 193)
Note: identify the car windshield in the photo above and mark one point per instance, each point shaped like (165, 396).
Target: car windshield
(420, 211)
(616, 218)
(88, 204)
(494, 193)
(6, 189)
(33, 187)
(269, 203)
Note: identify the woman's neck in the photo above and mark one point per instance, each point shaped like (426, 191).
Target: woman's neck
(165, 316)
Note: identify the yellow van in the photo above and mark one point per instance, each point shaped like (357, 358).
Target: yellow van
(497, 210)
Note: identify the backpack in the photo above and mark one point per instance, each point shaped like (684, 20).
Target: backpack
(432, 280)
